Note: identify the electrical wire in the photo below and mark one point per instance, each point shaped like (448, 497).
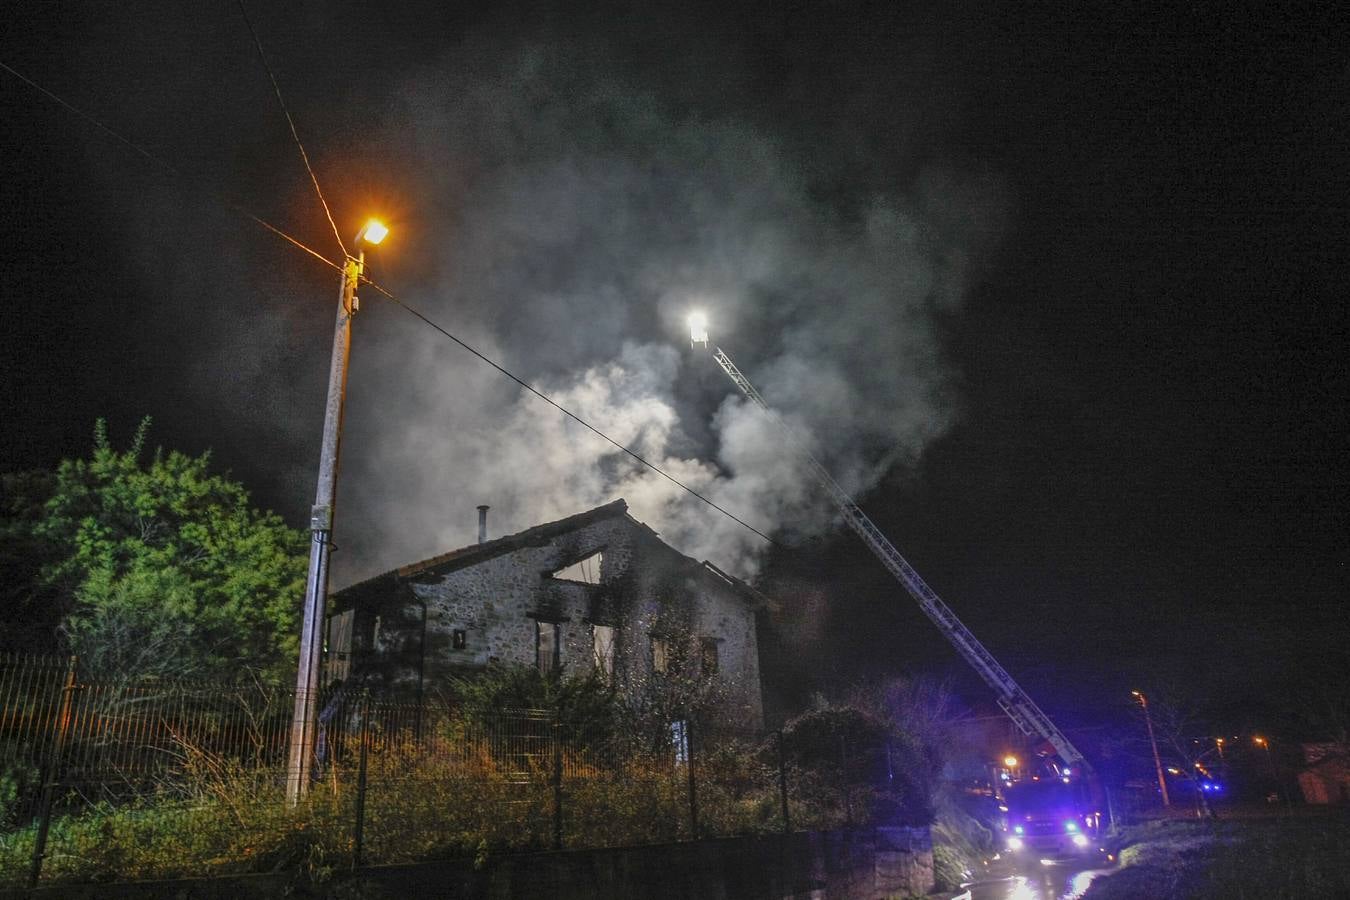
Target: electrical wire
(244, 211)
(276, 88)
(233, 205)
(562, 409)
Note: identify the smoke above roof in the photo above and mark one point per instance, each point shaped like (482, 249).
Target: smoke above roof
(583, 219)
(566, 197)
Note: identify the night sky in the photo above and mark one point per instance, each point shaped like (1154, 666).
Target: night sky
(1140, 474)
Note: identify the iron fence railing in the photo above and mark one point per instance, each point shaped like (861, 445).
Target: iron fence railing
(145, 779)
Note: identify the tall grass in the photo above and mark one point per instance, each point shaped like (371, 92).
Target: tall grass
(221, 818)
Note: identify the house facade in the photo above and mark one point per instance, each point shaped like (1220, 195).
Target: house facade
(1326, 776)
(595, 591)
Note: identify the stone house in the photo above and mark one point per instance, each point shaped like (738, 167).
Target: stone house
(1326, 776)
(597, 590)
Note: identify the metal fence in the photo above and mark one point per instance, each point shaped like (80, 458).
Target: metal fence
(140, 779)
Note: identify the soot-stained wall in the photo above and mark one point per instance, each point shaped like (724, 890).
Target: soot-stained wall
(405, 623)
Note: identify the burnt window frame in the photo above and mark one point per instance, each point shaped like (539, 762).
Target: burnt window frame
(613, 647)
(666, 655)
(704, 646)
(556, 662)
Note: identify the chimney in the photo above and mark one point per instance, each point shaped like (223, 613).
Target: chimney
(482, 523)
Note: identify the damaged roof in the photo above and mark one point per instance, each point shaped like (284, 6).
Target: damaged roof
(539, 536)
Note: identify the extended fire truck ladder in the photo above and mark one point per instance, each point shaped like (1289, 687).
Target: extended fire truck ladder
(1014, 701)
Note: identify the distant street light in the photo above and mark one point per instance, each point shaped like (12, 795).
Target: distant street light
(1157, 761)
(307, 678)
(1010, 761)
(1270, 763)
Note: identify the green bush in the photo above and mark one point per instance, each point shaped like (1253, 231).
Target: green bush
(18, 784)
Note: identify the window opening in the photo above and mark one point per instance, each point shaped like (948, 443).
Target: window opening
(661, 655)
(459, 639)
(586, 571)
(708, 656)
(602, 642)
(546, 646)
(340, 644)
(679, 739)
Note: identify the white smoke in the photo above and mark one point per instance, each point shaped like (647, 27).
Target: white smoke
(584, 221)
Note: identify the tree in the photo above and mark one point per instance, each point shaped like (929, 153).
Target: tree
(1183, 738)
(923, 717)
(29, 607)
(162, 568)
(677, 687)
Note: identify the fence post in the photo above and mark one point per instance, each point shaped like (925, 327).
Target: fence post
(693, 782)
(359, 833)
(782, 784)
(52, 774)
(557, 780)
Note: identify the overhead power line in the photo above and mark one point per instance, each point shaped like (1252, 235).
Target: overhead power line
(244, 211)
(564, 410)
(276, 88)
(220, 198)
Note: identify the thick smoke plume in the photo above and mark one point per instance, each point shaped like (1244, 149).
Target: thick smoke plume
(583, 218)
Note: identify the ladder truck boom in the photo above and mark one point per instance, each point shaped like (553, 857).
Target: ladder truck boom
(1011, 698)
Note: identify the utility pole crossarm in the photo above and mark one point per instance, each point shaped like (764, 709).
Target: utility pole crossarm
(1014, 701)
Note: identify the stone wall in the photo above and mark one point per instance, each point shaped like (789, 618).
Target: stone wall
(645, 588)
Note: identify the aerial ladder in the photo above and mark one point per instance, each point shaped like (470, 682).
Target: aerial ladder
(1014, 701)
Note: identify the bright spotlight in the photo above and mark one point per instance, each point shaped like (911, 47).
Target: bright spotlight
(372, 232)
(698, 329)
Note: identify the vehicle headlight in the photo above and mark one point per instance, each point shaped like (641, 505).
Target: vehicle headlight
(1080, 840)
(1070, 826)
(1014, 843)
(1018, 829)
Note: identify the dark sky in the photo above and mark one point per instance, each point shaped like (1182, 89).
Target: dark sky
(1141, 476)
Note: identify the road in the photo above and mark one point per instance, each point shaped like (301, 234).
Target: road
(1030, 879)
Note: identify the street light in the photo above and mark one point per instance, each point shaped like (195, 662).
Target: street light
(372, 232)
(1157, 761)
(1270, 763)
(307, 678)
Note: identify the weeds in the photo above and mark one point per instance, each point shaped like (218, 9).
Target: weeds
(218, 817)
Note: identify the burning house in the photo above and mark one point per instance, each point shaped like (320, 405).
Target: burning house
(595, 591)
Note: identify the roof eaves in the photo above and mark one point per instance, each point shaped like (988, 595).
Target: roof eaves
(762, 600)
(535, 536)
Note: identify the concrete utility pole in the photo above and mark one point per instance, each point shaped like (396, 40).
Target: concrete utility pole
(1157, 761)
(304, 724)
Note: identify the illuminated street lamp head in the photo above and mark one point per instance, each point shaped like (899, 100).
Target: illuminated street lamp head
(1010, 761)
(1259, 740)
(372, 232)
(698, 329)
